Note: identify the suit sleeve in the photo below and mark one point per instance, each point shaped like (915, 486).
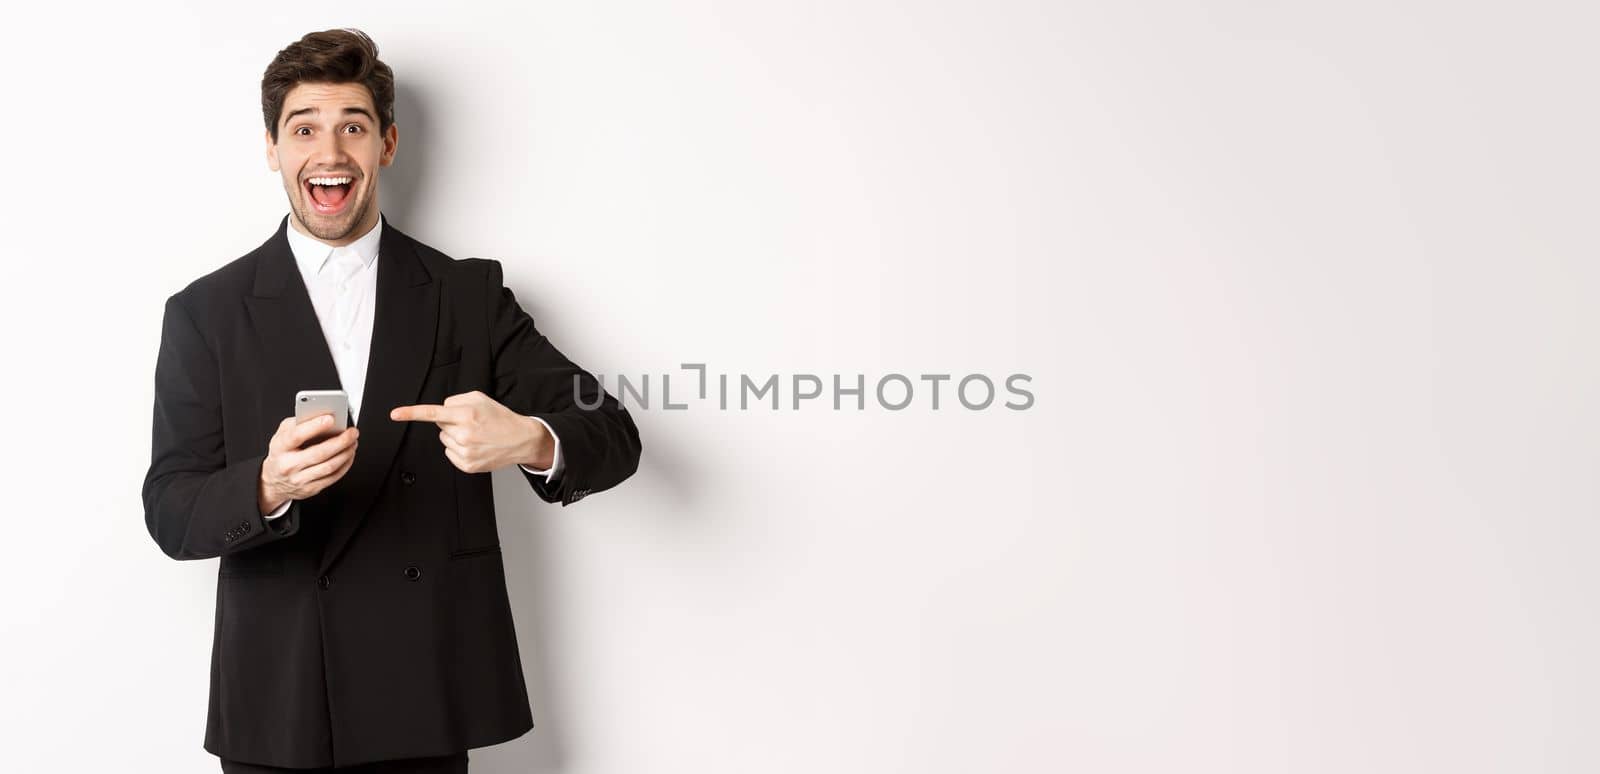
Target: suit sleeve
(599, 441)
(197, 505)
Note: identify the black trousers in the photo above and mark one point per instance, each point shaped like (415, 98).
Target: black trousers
(445, 764)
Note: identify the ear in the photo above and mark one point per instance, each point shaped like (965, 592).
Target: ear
(391, 143)
(272, 150)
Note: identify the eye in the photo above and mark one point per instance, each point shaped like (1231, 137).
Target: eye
(302, 130)
(356, 127)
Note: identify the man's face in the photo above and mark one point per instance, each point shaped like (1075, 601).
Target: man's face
(328, 133)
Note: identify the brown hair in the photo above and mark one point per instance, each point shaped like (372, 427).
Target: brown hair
(331, 56)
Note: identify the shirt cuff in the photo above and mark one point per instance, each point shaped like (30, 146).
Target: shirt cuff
(279, 511)
(557, 464)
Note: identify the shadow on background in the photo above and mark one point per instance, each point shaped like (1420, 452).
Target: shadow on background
(402, 191)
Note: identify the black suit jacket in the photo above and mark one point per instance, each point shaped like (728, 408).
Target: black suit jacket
(370, 621)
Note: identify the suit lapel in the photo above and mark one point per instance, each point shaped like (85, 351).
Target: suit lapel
(296, 355)
(297, 358)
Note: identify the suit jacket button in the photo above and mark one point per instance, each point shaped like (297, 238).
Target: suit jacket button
(413, 573)
(407, 478)
(322, 582)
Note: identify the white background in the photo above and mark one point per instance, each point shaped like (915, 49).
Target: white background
(1306, 292)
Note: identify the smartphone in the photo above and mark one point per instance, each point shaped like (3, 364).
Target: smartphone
(313, 403)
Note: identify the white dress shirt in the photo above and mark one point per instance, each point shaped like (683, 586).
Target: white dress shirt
(343, 285)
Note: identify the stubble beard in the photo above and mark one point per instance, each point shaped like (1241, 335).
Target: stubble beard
(339, 228)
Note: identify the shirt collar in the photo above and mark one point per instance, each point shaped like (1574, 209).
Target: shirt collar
(310, 254)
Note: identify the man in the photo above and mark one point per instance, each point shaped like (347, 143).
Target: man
(362, 616)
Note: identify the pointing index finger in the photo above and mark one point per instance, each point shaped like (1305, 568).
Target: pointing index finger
(422, 412)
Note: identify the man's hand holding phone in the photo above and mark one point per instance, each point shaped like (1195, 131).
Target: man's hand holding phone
(294, 470)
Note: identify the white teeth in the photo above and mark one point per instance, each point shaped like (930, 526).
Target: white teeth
(329, 180)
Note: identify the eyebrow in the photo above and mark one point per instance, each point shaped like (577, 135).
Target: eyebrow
(348, 110)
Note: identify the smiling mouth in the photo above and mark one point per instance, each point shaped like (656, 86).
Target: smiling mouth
(329, 193)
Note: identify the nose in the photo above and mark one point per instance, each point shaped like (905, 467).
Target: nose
(326, 151)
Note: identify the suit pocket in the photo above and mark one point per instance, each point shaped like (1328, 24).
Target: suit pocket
(448, 355)
(471, 552)
(440, 381)
(256, 563)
